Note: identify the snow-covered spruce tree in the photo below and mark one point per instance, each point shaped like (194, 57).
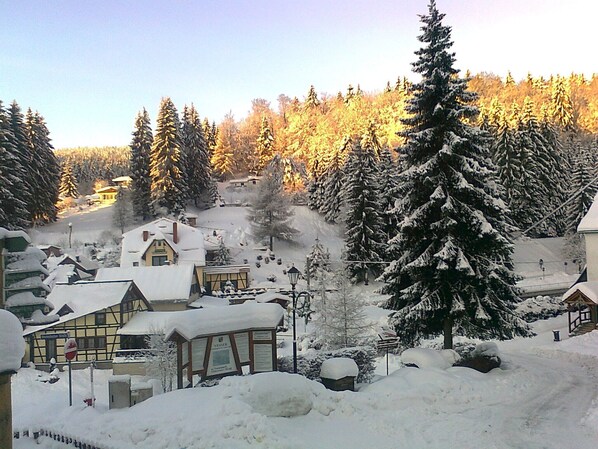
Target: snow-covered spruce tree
(453, 254)
(387, 180)
(161, 359)
(21, 170)
(198, 170)
(141, 146)
(341, 321)
(223, 256)
(364, 227)
(271, 213)
(13, 209)
(264, 147)
(317, 260)
(68, 182)
(121, 214)
(44, 169)
(332, 185)
(562, 108)
(168, 190)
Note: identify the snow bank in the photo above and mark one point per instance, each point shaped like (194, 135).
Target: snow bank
(430, 358)
(486, 349)
(275, 394)
(12, 345)
(339, 368)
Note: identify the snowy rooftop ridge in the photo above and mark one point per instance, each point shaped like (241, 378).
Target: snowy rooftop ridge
(589, 223)
(161, 283)
(83, 298)
(193, 323)
(588, 289)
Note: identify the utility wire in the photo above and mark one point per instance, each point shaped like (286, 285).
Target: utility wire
(546, 217)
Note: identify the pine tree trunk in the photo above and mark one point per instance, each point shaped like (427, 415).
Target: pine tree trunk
(448, 332)
(271, 242)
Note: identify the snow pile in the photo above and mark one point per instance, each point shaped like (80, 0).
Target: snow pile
(430, 358)
(274, 394)
(12, 345)
(339, 368)
(486, 349)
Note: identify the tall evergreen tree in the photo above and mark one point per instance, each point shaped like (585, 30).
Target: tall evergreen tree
(226, 142)
(388, 174)
(68, 182)
(44, 168)
(270, 214)
(332, 185)
(13, 208)
(22, 188)
(312, 98)
(453, 255)
(198, 170)
(562, 108)
(168, 188)
(365, 237)
(264, 145)
(141, 146)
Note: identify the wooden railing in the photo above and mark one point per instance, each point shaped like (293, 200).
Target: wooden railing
(583, 317)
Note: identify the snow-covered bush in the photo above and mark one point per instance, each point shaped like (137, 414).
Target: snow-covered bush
(310, 364)
(540, 308)
(160, 359)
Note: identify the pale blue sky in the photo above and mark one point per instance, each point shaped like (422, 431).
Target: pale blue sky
(89, 66)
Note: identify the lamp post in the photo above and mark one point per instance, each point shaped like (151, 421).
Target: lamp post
(70, 234)
(294, 274)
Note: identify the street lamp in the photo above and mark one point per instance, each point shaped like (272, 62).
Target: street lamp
(70, 234)
(294, 274)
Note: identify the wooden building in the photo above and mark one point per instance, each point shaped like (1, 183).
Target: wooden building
(108, 194)
(222, 341)
(219, 278)
(582, 297)
(92, 313)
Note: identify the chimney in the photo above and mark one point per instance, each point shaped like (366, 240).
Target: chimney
(78, 258)
(192, 221)
(175, 234)
(145, 235)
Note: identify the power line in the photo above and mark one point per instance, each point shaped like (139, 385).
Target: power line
(571, 198)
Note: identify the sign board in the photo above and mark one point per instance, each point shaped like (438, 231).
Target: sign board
(262, 358)
(70, 349)
(388, 343)
(55, 336)
(221, 358)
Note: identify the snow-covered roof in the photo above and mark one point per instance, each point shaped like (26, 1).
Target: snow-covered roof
(189, 247)
(209, 301)
(147, 323)
(83, 298)
(589, 223)
(108, 189)
(122, 179)
(60, 274)
(12, 345)
(194, 323)
(588, 289)
(171, 283)
(25, 266)
(30, 253)
(82, 261)
(272, 296)
(227, 269)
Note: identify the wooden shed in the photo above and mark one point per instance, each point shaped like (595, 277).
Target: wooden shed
(222, 341)
(582, 307)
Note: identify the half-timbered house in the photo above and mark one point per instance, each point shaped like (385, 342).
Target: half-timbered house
(92, 313)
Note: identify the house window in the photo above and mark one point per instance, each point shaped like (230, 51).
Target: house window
(100, 318)
(127, 306)
(135, 264)
(159, 260)
(89, 343)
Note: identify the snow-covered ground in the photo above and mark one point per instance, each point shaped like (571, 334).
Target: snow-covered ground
(543, 396)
